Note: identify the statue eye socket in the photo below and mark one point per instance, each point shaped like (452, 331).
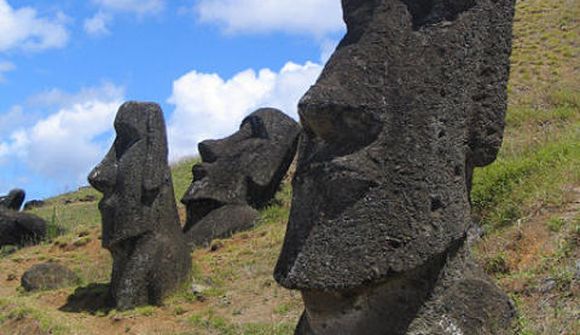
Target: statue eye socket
(122, 144)
(127, 136)
(257, 126)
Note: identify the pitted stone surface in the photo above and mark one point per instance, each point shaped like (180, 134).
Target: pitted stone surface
(393, 128)
(412, 100)
(140, 222)
(239, 174)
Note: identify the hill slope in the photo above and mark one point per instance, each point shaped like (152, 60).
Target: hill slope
(528, 203)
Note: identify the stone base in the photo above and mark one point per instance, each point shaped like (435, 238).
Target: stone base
(146, 269)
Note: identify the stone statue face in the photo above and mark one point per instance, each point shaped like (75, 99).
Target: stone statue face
(412, 99)
(244, 168)
(132, 171)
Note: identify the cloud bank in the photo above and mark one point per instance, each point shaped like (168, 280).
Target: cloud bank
(64, 145)
(23, 29)
(265, 16)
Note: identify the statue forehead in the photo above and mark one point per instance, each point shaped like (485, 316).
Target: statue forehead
(138, 116)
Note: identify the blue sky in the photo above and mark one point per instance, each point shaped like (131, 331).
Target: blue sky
(66, 66)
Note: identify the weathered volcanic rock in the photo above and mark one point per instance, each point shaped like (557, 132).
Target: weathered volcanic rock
(413, 99)
(13, 200)
(18, 228)
(48, 276)
(239, 174)
(140, 222)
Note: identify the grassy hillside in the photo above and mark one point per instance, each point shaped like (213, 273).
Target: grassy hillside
(528, 203)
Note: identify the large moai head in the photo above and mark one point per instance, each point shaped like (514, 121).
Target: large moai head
(413, 99)
(238, 174)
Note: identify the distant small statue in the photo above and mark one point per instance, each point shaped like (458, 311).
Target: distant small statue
(20, 229)
(13, 200)
(412, 100)
(140, 222)
(239, 174)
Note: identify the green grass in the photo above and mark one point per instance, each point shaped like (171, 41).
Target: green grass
(210, 323)
(503, 192)
(17, 311)
(181, 173)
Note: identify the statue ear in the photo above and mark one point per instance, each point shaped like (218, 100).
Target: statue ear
(154, 171)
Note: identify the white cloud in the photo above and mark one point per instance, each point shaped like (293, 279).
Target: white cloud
(61, 99)
(140, 7)
(65, 145)
(207, 106)
(5, 67)
(315, 17)
(22, 29)
(97, 25)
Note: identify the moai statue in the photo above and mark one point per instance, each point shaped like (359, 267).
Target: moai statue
(140, 222)
(239, 174)
(13, 200)
(18, 228)
(413, 99)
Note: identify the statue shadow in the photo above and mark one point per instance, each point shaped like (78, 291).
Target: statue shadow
(93, 298)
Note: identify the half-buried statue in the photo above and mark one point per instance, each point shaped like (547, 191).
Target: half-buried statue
(140, 222)
(238, 175)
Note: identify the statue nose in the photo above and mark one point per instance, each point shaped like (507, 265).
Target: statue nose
(103, 176)
(208, 150)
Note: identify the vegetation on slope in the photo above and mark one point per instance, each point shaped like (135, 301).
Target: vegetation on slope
(527, 201)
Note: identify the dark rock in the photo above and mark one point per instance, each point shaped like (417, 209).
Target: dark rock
(13, 200)
(33, 204)
(239, 174)
(88, 198)
(221, 222)
(140, 222)
(413, 99)
(48, 276)
(20, 229)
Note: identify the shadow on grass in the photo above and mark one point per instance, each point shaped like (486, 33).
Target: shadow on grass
(93, 298)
